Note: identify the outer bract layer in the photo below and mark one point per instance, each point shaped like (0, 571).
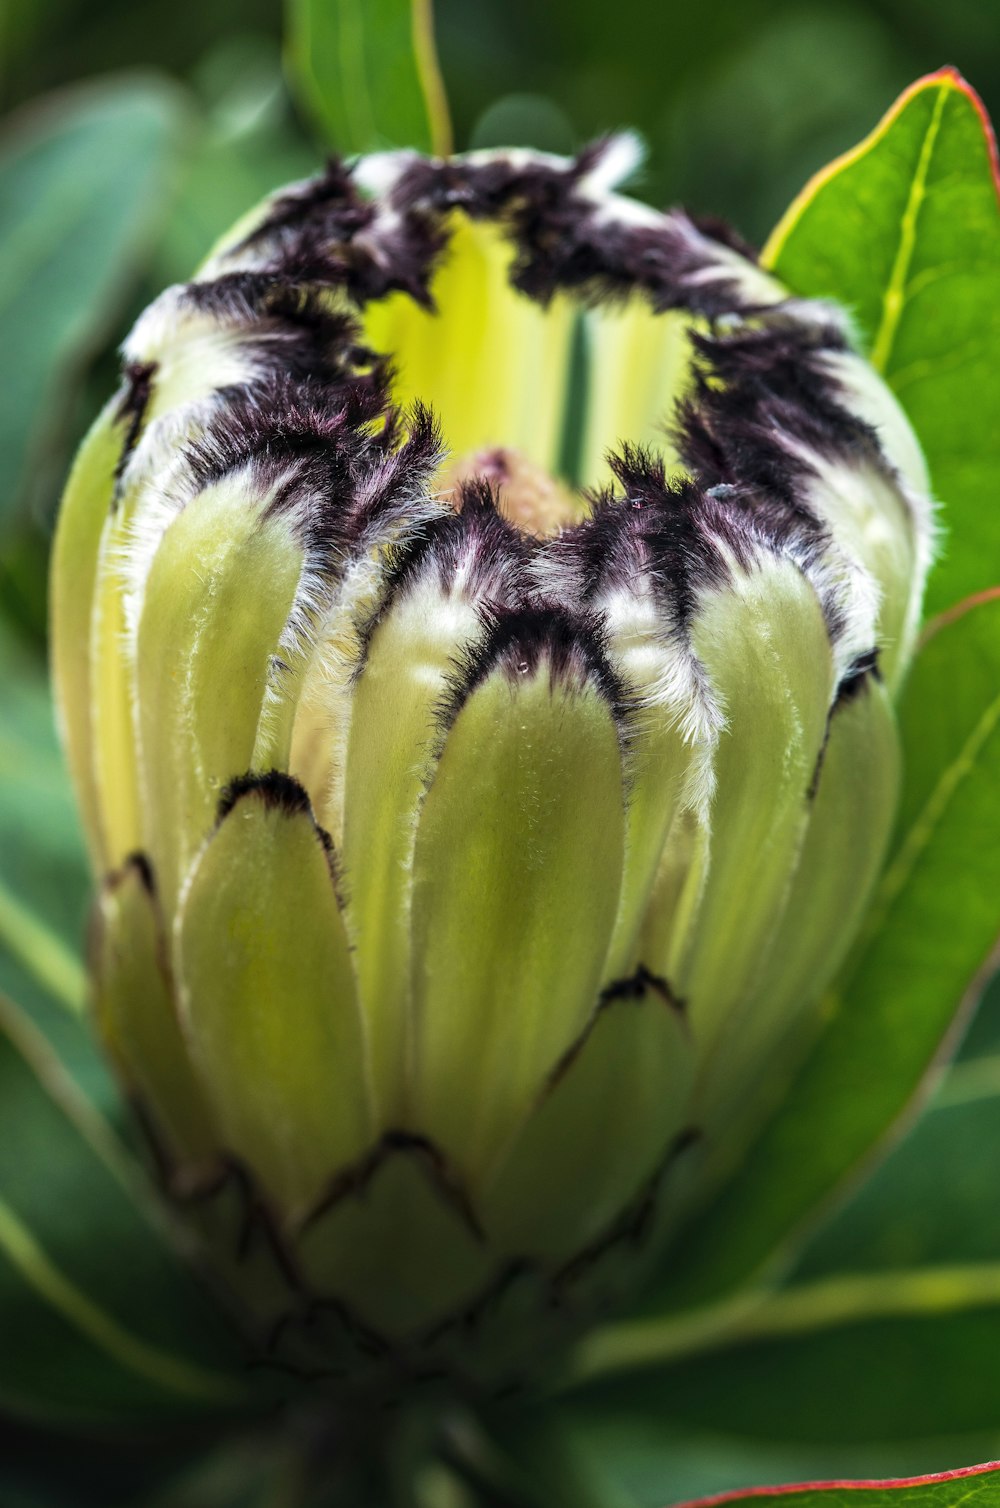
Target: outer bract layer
(477, 619)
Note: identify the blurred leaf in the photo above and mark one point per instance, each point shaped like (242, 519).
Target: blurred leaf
(931, 1202)
(43, 869)
(905, 230)
(799, 84)
(249, 146)
(524, 120)
(644, 1459)
(47, 1468)
(932, 926)
(44, 875)
(103, 1322)
(226, 177)
(44, 881)
(626, 1445)
(24, 555)
(983, 1036)
(58, 1469)
(972, 1486)
(367, 71)
(889, 1327)
(101, 1318)
(85, 178)
(258, 1472)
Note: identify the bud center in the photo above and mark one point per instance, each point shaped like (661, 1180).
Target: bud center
(527, 495)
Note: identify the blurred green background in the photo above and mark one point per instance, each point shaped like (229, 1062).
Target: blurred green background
(135, 131)
(185, 118)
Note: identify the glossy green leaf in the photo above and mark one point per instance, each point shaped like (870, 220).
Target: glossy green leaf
(367, 72)
(85, 179)
(102, 1320)
(905, 231)
(971, 1486)
(932, 926)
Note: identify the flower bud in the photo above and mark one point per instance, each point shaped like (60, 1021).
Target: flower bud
(476, 621)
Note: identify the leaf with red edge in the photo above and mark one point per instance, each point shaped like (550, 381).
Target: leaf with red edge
(970, 1486)
(905, 231)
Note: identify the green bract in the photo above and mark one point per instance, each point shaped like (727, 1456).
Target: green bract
(477, 624)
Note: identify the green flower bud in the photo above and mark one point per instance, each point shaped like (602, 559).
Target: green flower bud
(476, 625)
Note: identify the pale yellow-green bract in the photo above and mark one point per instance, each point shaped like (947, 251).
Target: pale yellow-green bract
(477, 620)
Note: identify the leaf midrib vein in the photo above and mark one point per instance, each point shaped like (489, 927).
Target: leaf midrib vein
(894, 297)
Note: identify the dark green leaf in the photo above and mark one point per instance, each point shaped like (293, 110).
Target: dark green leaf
(249, 146)
(45, 1468)
(889, 1327)
(102, 1320)
(367, 71)
(933, 925)
(85, 178)
(619, 1446)
(43, 868)
(972, 1486)
(226, 176)
(905, 231)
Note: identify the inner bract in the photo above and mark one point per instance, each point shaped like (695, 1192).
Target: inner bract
(530, 396)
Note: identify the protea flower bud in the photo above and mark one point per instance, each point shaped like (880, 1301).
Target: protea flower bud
(477, 620)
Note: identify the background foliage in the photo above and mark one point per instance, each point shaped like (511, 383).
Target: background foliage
(137, 133)
(738, 100)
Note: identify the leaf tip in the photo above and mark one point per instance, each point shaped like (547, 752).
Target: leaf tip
(958, 81)
(948, 76)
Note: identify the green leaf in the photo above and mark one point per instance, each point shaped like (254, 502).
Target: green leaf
(619, 1447)
(932, 928)
(905, 231)
(367, 72)
(43, 869)
(249, 146)
(85, 178)
(102, 1320)
(971, 1486)
(889, 1326)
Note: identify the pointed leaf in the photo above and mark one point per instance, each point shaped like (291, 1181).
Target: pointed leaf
(367, 71)
(905, 230)
(972, 1486)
